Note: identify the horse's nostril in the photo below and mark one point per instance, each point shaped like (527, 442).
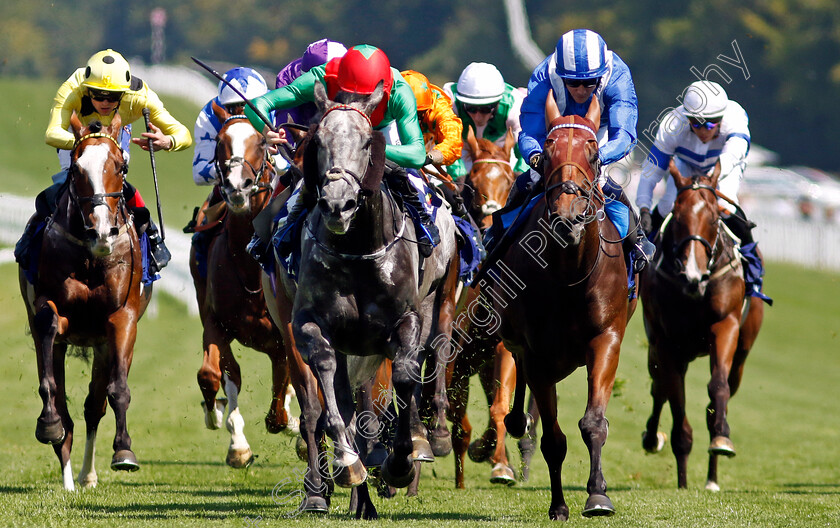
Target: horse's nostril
(115, 231)
(323, 205)
(349, 205)
(248, 183)
(90, 233)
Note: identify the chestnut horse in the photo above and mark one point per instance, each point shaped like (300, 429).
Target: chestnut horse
(563, 301)
(230, 297)
(88, 293)
(694, 305)
(490, 177)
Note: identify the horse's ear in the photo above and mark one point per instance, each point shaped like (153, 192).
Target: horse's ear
(551, 110)
(76, 125)
(375, 98)
(321, 99)
(220, 111)
(472, 142)
(115, 126)
(594, 113)
(679, 179)
(510, 141)
(297, 132)
(592, 154)
(716, 174)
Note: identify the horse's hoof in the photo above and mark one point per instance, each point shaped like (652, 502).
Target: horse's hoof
(315, 504)
(518, 425)
(722, 445)
(89, 481)
(651, 449)
(559, 513)
(422, 450)
(239, 458)
(598, 506)
(301, 450)
(480, 451)
(502, 474)
(49, 433)
(441, 445)
(124, 460)
(711, 485)
(397, 480)
(350, 476)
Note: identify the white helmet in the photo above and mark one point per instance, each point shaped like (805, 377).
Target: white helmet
(246, 80)
(479, 84)
(705, 100)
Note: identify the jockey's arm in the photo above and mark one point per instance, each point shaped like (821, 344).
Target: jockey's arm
(167, 126)
(532, 113)
(67, 99)
(447, 130)
(204, 170)
(654, 168)
(622, 107)
(299, 91)
(411, 154)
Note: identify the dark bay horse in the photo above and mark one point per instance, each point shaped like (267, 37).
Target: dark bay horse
(694, 305)
(88, 293)
(230, 297)
(561, 295)
(361, 296)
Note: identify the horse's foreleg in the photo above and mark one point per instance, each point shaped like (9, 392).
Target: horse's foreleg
(553, 447)
(504, 377)
(722, 357)
(398, 469)
(444, 353)
(95, 406)
(239, 453)
(62, 449)
(210, 374)
(601, 365)
(458, 373)
(528, 443)
(45, 326)
(517, 422)
(277, 418)
(122, 334)
(653, 440)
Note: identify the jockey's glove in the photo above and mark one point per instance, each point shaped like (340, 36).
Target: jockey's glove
(536, 162)
(435, 157)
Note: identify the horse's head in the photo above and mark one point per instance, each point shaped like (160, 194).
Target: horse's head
(692, 236)
(242, 161)
(96, 175)
(490, 177)
(571, 169)
(343, 142)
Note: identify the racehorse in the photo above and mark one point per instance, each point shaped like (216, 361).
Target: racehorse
(490, 177)
(694, 305)
(88, 293)
(361, 296)
(229, 293)
(561, 294)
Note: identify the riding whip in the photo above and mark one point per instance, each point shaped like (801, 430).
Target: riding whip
(154, 174)
(286, 152)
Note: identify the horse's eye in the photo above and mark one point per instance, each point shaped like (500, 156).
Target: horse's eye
(367, 143)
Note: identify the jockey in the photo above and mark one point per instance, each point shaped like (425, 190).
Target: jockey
(580, 68)
(358, 72)
(441, 129)
(708, 127)
(96, 93)
(485, 102)
(251, 84)
(317, 53)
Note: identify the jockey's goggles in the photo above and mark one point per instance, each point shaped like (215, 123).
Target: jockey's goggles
(104, 95)
(586, 83)
(479, 109)
(708, 124)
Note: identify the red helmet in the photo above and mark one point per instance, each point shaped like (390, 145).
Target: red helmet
(361, 68)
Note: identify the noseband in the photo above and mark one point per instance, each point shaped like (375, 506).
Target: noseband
(569, 186)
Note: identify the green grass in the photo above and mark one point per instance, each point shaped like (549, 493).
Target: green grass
(784, 425)
(784, 419)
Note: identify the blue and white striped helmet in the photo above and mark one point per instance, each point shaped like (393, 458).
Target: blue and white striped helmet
(246, 80)
(581, 54)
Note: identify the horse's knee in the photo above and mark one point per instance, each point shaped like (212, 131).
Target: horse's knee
(594, 428)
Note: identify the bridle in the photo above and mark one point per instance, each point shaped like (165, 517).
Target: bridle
(260, 185)
(568, 186)
(98, 199)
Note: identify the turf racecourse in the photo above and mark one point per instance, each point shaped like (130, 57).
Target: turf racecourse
(784, 425)
(784, 419)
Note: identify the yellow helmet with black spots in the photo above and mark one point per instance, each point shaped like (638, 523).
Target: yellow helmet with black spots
(107, 70)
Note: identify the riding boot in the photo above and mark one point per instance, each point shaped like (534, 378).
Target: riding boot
(636, 241)
(284, 242)
(24, 245)
(753, 267)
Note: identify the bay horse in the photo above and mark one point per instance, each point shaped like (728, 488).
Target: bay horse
(88, 293)
(230, 297)
(694, 305)
(360, 296)
(562, 299)
(489, 181)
